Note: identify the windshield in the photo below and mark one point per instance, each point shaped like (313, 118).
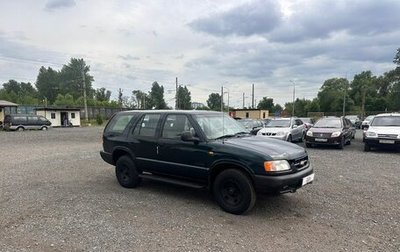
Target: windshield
(369, 118)
(212, 125)
(306, 120)
(328, 123)
(386, 121)
(278, 123)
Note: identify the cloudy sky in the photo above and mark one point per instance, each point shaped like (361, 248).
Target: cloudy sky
(206, 44)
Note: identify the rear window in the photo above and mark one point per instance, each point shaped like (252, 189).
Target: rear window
(119, 123)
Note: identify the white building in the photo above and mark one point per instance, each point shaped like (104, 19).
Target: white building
(60, 117)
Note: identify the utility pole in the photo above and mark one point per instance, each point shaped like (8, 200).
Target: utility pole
(176, 94)
(294, 96)
(84, 94)
(344, 98)
(252, 95)
(243, 101)
(222, 98)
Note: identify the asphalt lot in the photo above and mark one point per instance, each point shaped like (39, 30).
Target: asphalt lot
(56, 194)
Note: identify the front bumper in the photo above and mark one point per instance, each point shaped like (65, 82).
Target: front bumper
(329, 140)
(280, 137)
(382, 142)
(107, 157)
(281, 183)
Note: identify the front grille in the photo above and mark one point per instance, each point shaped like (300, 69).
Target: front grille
(268, 134)
(324, 135)
(299, 163)
(387, 135)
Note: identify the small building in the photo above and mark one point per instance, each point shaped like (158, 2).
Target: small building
(5, 108)
(61, 117)
(250, 113)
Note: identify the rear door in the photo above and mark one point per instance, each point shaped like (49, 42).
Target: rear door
(143, 141)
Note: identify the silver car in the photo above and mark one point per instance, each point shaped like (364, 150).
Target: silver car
(287, 129)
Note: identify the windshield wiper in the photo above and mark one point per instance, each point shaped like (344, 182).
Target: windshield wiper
(238, 134)
(224, 136)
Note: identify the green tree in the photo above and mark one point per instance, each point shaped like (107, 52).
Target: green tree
(71, 79)
(331, 95)
(47, 84)
(139, 97)
(156, 96)
(363, 87)
(266, 103)
(184, 99)
(64, 100)
(101, 94)
(214, 101)
(21, 93)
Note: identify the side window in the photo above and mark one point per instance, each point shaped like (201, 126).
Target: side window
(174, 126)
(299, 122)
(147, 125)
(33, 119)
(118, 123)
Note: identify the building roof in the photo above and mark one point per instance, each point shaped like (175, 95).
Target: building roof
(4, 103)
(57, 109)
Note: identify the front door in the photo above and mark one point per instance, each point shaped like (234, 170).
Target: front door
(178, 157)
(64, 119)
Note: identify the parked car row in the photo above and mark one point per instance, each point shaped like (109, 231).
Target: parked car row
(383, 131)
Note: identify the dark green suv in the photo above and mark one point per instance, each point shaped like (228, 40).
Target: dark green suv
(203, 149)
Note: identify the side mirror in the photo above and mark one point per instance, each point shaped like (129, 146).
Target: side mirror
(187, 136)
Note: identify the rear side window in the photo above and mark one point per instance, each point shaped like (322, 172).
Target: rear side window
(147, 125)
(119, 123)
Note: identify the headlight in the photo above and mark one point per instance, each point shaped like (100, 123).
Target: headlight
(309, 133)
(336, 134)
(370, 134)
(276, 165)
(281, 133)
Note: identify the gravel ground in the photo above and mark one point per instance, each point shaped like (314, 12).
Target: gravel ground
(56, 194)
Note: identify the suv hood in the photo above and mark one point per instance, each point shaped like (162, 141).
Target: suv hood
(275, 148)
(385, 130)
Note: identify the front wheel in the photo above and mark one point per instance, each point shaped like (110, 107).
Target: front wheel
(234, 192)
(342, 143)
(44, 128)
(367, 147)
(289, 139)
(126, 172)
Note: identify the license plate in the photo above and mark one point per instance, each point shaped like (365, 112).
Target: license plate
(386, 141)
(321, 139)
(307, 180)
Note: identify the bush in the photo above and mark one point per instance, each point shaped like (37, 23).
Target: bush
(99, 119)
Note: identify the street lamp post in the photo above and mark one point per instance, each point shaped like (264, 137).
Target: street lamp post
(294, 95)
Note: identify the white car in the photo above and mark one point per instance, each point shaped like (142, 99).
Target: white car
(287, 129)
(366, 122)
(384, 130)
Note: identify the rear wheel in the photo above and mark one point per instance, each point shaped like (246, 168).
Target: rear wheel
(126, 172)
(234, 192)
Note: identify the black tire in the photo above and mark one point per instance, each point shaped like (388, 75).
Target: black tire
(234, 192)
(126, 172)
(289, 139)
(367, 147)
(342, 143)
(308, 145)
(44, 128)
(20, 129)
(303, 136)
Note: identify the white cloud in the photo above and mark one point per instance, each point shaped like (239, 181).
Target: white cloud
(206, 44)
